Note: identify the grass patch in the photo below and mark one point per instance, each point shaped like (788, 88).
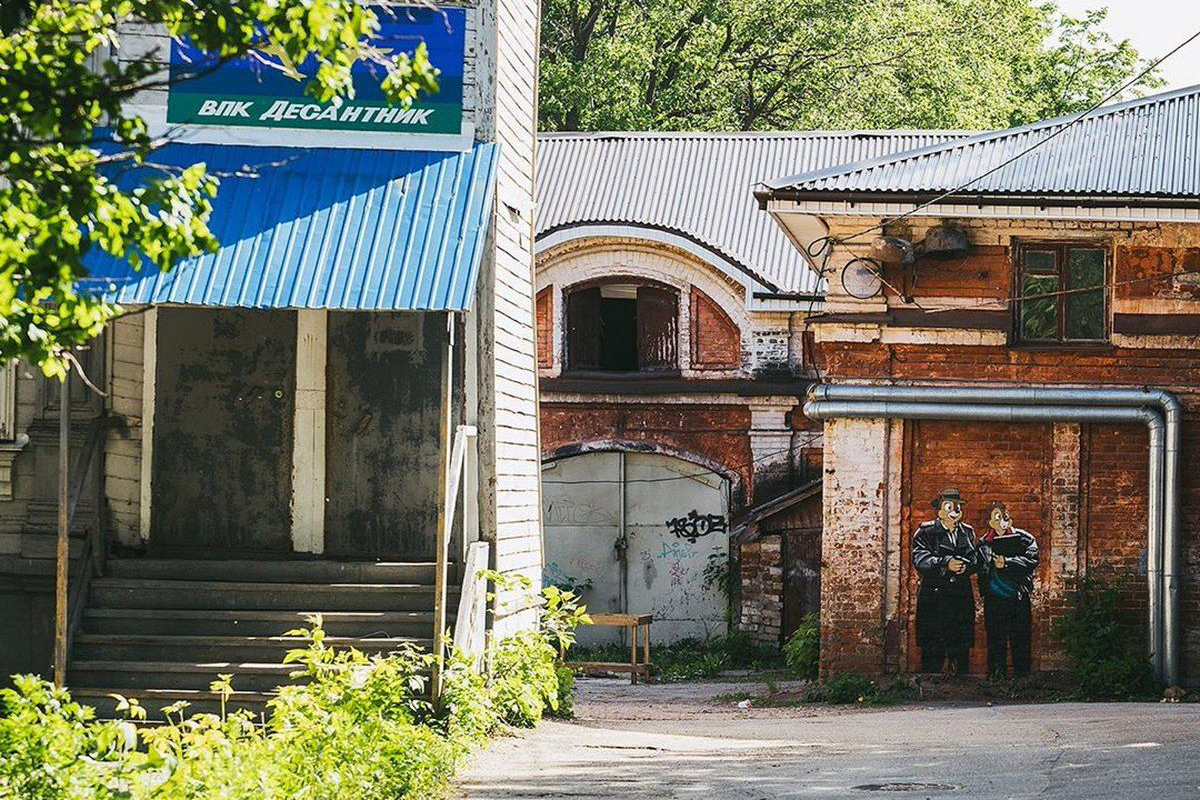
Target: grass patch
(693, 659)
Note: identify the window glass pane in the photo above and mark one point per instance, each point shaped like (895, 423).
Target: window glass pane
(1041, 261)
(1085, 315)
(1085, 310)
(1039, 315)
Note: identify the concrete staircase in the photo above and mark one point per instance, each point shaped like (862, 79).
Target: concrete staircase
(161, 630)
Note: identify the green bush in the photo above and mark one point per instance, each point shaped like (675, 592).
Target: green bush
(565, 707)
(524, 678)
(695, 659)
(1106, 661)
(360, 727)
(802, 650)
(528, 674)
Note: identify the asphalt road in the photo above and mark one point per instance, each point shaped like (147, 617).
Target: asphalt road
(679, 742)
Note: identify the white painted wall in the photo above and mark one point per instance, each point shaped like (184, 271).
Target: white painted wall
(510, 492)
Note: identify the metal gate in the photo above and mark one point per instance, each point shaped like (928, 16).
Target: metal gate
(634, 532)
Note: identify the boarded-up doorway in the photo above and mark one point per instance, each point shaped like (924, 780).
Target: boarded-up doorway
(222, 457)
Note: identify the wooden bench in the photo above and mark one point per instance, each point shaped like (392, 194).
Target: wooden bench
(635, 623)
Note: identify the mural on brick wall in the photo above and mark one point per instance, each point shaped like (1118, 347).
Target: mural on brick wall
(1010, 557)
(1004, 558)
(946, 554)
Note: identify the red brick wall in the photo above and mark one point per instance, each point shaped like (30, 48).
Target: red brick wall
(544, 309)
(988, 273)
(716, 340)
(1113, 538)
(1010, 463)
(761, 571)
(718, 432)
(1144, 272)
(1112, 483)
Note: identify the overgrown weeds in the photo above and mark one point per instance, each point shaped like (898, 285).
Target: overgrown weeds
(350, 726)
(1106, 659)
(694, 659)
(802, 650)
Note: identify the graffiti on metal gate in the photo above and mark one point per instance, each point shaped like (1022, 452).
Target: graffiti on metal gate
(695, 525)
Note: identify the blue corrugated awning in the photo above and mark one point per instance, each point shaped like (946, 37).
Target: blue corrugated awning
(325, 228)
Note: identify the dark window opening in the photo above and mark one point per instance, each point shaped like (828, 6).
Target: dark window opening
(1061, 294)
(622, 327)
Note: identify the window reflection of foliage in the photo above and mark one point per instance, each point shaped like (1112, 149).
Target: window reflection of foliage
(1052, 302)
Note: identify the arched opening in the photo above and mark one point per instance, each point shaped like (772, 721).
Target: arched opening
(622, 325)
(634, 532)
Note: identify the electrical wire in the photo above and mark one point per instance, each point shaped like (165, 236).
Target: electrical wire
(1063, 128)
(1007, 302)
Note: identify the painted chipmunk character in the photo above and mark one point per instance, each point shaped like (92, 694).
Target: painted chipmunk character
(1005, 584)
(945, 553)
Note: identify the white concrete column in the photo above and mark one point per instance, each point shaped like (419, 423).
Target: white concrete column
(149, 382)
(308, 441)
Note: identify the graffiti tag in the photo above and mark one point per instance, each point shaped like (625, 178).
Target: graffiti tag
(695, 525)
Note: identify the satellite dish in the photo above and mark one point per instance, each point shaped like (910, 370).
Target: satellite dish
(861, 280)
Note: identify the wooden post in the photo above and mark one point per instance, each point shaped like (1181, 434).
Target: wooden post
(646, 647)
(62, 551)
(149, 386)
(633, 648)
(443, 522)
(308, 441)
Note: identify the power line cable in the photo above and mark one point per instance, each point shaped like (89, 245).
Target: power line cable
(693, 475)
(1054, 134)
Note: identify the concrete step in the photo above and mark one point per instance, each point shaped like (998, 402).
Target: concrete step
(275, 571)
(128, 676)
(157, 648)
(199, 594)
(254, 622)
(153, 700)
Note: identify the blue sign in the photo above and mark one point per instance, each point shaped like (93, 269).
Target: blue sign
(263, 90)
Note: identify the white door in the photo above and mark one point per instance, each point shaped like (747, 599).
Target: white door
(636, 531)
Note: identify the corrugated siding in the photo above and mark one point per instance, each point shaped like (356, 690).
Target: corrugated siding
(1141, 148)
(326, 228)
(700, 185)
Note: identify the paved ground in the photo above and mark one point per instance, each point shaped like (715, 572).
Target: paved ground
(676, 741)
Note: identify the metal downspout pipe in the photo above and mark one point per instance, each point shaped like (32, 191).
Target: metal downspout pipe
(1058, 405)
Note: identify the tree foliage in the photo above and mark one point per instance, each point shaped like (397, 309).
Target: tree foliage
(801, 64)
(66, 128)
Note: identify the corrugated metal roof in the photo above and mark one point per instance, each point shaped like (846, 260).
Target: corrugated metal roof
(326, 228)
(700, 186)
(1143, 148)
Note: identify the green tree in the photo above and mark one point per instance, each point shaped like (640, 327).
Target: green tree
(801, 64)
(66, 125)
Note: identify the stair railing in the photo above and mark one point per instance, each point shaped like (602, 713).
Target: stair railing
(463, 436)
(71, 590)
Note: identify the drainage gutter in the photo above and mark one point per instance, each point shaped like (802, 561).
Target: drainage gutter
(1159, 410)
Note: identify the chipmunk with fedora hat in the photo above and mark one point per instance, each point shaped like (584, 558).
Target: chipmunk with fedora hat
(945, 553)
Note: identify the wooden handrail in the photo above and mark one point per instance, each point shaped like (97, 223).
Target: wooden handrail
(458, 459)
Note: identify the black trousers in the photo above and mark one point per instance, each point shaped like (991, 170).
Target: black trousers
(945, 628)
(1009, 625)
